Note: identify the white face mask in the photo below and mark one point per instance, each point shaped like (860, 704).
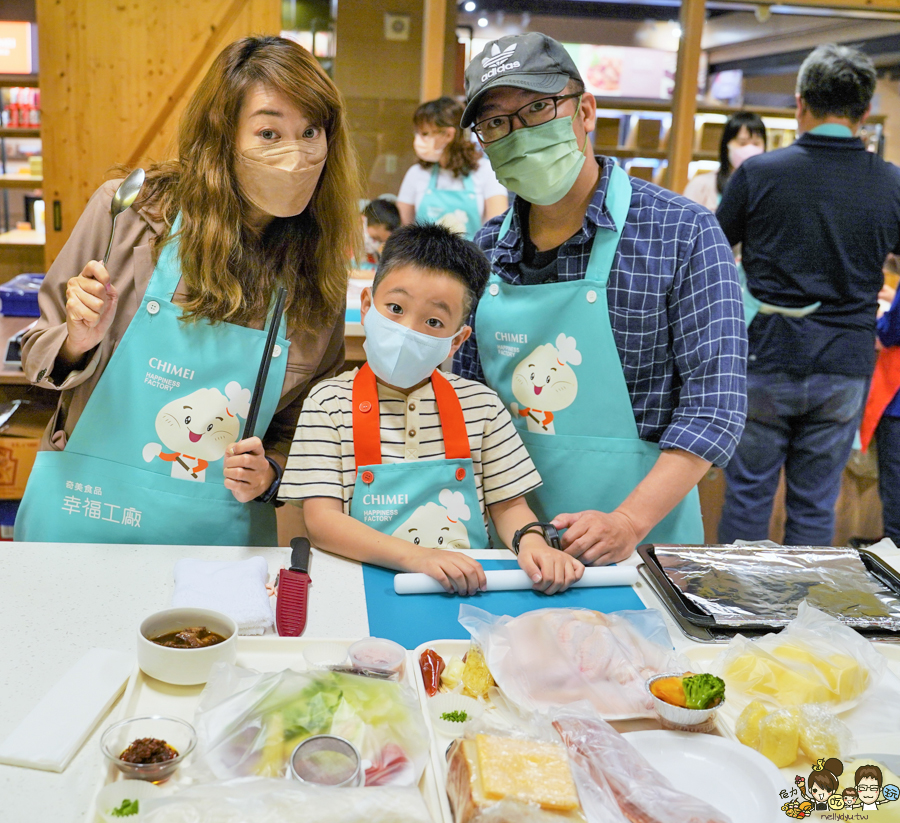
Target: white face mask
(427, 149)
(400, 356)
(738, 154)
(280, 179)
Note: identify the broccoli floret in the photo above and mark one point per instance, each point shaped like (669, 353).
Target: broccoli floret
(701, 691)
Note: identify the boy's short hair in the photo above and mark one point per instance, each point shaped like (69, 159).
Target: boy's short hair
(431, 246)
(382, 213)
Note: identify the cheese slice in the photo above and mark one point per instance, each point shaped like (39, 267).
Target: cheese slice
(526, 770)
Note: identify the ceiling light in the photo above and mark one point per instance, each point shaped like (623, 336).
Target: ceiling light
(482, 22)
(470, 6)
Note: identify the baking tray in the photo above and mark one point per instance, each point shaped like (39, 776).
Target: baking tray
(145, 695)
(690, 616)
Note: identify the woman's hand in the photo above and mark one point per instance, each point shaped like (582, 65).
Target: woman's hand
(91, 301)
(247, 472)
(456, 572)
(551, 570)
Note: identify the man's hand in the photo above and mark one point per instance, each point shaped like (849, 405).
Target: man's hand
(551, 570)
(247, 472)
(456, 572)
(597, 538)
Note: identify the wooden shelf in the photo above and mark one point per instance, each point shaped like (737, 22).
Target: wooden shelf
(20, 181)
(8, 327)
(649, 154)
(29, 132)
(19, 80)
(22, 237)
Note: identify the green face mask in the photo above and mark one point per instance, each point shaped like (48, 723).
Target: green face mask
(539, 163)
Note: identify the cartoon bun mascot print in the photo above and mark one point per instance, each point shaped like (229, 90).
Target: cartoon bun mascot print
(545, 382)
(438, 526)
(196, 429)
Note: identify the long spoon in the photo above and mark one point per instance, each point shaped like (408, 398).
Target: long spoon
(123, 199)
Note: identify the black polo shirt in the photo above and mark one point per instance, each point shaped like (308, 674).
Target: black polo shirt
(816, 221)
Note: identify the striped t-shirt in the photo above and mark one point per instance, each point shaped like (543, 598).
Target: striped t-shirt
(321, 461)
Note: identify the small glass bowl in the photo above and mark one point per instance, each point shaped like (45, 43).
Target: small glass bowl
(179, 734)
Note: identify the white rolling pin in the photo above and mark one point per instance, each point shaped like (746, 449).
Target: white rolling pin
(506, 580)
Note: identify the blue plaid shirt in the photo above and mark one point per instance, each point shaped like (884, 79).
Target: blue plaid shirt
(676, 313)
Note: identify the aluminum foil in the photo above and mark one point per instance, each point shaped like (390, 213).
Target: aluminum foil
(760, 585)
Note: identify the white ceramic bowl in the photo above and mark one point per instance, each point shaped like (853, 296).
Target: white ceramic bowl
(184, 667)
(677, 717)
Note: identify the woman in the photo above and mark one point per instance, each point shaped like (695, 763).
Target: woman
(453, 183)
(155, 356)
(744, 136)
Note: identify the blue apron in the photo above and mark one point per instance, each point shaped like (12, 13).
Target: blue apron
(548, 350)
(145, 461)
(433, 503)
(753, 306)
(457, 210)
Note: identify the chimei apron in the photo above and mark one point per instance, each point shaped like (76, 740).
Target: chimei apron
(548, 351)
(145, 461)
(429, 502)
(753, 306)
(457, 210)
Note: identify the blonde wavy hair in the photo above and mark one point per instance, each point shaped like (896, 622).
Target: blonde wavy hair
(229, 272)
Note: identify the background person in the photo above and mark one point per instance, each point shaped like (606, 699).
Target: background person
(744, 136)
(611, 326)
(380, 218)
(153, 385)
(452, 183)
(816, 220)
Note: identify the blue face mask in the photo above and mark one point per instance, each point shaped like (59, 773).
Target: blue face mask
(400, 356)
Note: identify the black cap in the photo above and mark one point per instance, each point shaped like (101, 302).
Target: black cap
(533, 61)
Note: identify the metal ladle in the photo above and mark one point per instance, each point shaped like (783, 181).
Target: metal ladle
(123, 199)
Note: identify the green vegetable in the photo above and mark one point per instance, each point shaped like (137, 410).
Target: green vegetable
(702, 691)
(455, 716)
(127, 809)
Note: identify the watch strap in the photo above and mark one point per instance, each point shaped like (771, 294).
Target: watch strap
(548, 530)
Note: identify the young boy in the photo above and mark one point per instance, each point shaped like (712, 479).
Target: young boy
(396, 462)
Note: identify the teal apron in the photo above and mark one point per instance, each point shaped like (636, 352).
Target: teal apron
(145, 461)
(433, 503)
(548, 351)
(457, 210)
(752, 306)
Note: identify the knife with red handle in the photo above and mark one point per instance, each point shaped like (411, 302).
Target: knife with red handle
(293, 588)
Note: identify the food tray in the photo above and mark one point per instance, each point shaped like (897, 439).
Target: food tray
(685, 610)
(269, 653)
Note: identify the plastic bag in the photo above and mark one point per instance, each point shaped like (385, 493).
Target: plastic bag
(609, 765)
(281, 801)
(552, 657)
(248, 724)
(504, 777)
(814, 659)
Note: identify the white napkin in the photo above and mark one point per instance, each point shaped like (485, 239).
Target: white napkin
(53, 731)
(237, 589)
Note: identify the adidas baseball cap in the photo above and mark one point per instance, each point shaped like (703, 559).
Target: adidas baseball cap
(532, 61)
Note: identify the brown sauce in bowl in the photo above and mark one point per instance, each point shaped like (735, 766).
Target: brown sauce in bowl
(195, 637)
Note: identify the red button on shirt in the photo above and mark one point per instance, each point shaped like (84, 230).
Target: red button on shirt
(460, 474)
(365, 406)
(367, 477)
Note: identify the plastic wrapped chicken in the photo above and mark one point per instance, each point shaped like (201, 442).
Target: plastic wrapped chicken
(552, 657)
(609, 764)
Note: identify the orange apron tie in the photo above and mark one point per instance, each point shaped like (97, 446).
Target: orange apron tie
(885, 384)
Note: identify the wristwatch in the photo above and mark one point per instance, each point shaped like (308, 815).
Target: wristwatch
(548, 530)
(270, 494)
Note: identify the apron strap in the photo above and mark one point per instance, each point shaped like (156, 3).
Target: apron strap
(366, 420)
(367, 424)
(606, 241)
(453, 424)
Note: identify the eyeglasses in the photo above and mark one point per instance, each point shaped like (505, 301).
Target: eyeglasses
(531, 114)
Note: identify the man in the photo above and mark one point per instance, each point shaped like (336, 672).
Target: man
(611, 326)
(816, 220)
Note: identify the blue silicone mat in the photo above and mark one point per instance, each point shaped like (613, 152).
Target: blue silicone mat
(413, 619)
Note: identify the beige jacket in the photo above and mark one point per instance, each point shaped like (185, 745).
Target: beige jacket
(311, 356)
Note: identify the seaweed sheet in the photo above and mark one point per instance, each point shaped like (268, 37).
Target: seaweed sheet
(762, 585)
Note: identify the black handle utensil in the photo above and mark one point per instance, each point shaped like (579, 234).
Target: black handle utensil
(262, 375)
